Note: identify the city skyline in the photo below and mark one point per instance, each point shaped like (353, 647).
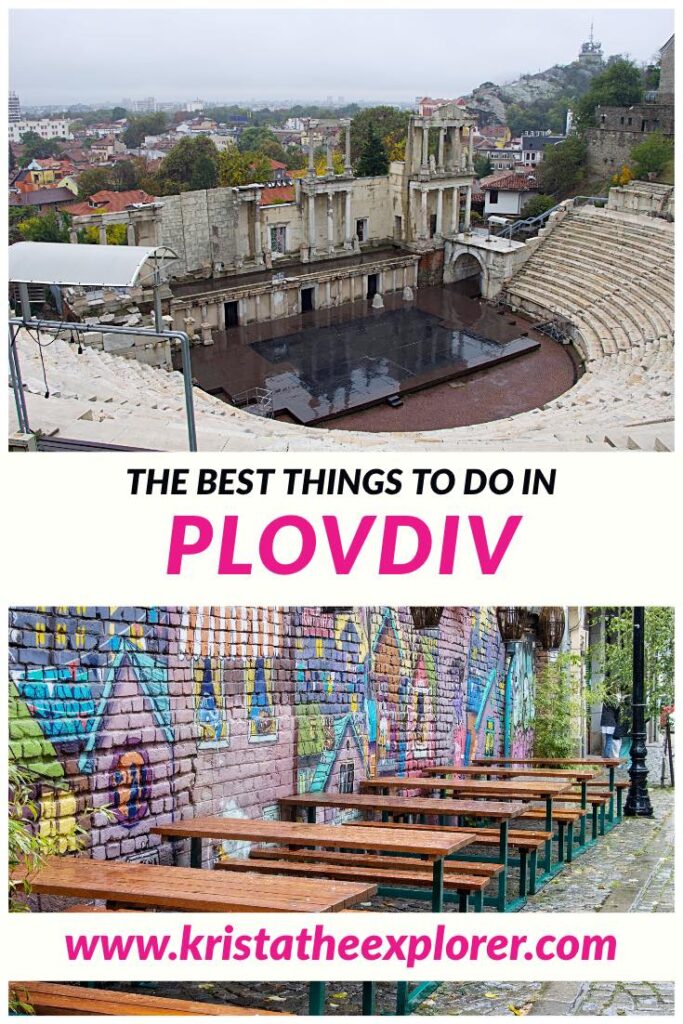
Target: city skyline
(332, 60)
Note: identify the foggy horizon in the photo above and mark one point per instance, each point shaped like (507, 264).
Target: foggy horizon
(303, 55)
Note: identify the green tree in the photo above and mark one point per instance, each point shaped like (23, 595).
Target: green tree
(295, 158)
(537, 205)
(616, 657)
(125, 175)
(253, 139)
(652, 155)
(373, 159)
(558, 705)
(146, 124)
(482, 166)
(35, 148)
(563, 167)
(236, 168)
(191, 164)
(48, 227)
(619, 85)
(94, 179)
(118, 113)
(389, 124)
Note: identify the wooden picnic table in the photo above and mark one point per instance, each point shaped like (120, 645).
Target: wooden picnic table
(189, 889)
(397, 806)
(611, 763)
(535, 789)
(432, 846)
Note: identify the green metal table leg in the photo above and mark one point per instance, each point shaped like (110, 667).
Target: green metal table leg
(523, 858)
(584, 808)
(560, 842)
(316, 998)
(503, 859)
(195, 852)
(437, 885)
(533, 871)
(369, 1000)
(595, 822)
(401, 998)
(602, 819)
(549, 842)
(478, 901)
(620, 809)
(462, 902)
(570, 842)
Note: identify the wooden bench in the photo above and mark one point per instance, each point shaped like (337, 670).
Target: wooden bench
(485, 868)
(391, 879)
(565, 818)
(52, 999)
(529, 842)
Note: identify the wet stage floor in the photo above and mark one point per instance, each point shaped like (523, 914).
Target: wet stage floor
(341, 365)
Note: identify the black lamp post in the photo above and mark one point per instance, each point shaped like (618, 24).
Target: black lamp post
(638, 799)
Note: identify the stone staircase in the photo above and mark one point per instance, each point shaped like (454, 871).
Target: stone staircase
(609, 274)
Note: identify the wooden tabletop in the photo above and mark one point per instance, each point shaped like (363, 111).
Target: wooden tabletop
(596, 761)
(503, 811)
(152, 885)
(580, 774)
(428, 844)
(519, 790)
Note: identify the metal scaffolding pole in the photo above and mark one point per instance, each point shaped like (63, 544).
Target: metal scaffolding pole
(53, 325)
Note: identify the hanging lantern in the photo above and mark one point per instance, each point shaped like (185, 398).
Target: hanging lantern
(512, 623)
(426, 618)
(551, 627)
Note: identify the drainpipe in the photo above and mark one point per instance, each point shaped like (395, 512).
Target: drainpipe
(511, 654)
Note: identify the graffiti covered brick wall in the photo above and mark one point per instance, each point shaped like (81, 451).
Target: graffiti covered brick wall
(157, 714)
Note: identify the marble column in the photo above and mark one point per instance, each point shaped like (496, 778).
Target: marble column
(265, 241)
(130, 233)
(442, 140)
(424, 227)
(330, 221)
(73, 236)
(329, 159)
(425, 147)
(311, 155)
(348, 231)
(103, 234)
(439, 212)
(468, 207)
(347, 151)
(470, 142)
(311, 223)
(455, 212)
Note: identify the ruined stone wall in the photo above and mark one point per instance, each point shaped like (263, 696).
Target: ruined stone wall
(371, 199)
(159, 714)
(203, 228)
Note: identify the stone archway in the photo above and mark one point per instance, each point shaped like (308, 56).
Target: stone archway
(465, 266)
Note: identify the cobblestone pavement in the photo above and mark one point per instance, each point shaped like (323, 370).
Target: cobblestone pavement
(629, 870)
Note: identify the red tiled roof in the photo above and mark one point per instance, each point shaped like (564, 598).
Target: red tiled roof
(509, 182)
(277, 166)
(109, 202)
(279, 194)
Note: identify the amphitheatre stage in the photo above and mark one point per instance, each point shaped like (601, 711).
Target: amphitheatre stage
(606, 274)
(329, 363)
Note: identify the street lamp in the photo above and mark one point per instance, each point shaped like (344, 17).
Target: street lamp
(638, 799)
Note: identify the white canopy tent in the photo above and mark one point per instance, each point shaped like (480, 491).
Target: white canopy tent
(103, 266)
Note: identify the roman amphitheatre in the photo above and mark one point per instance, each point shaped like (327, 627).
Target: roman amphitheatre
(362, 313)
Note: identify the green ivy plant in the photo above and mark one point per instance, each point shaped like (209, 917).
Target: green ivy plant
(559, 706)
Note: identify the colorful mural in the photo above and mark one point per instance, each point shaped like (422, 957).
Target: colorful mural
(158, 713)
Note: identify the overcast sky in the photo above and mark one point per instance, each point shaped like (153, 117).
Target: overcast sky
(88, 56)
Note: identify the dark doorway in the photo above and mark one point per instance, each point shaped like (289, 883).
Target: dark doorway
(232, 317)
(372, 285)
(432, 225)
(307, 304)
